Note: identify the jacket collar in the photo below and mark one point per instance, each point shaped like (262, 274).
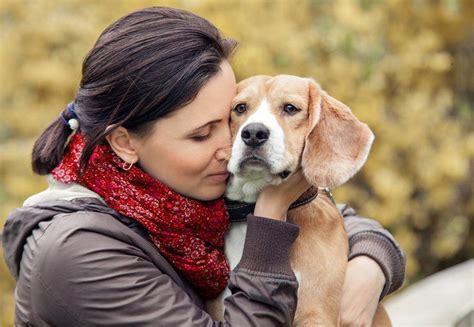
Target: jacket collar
(60, 191)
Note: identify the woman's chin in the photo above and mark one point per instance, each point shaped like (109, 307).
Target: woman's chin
(211, 193)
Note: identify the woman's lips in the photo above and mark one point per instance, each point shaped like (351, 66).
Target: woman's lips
(219, 177)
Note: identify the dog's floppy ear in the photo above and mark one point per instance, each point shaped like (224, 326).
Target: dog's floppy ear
(337, 143)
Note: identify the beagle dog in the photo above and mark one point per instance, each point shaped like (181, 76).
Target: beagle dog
(280, 124)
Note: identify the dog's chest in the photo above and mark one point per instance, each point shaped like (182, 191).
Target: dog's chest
(234, 242)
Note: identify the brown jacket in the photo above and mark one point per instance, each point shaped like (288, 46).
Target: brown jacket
(79, 263)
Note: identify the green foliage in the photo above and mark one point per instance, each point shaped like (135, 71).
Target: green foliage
(404, 67)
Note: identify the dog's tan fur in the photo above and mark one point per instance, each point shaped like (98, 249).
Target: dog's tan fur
(330, 144)
(319, 255)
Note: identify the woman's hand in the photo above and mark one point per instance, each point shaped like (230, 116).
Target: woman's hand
(273, 202)
(363, 285)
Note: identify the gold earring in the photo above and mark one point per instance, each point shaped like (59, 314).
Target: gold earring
(127, 165)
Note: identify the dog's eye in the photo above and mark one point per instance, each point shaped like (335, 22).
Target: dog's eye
(240, 108)
(290, 109)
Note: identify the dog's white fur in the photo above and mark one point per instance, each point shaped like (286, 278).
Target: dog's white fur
(245, 185)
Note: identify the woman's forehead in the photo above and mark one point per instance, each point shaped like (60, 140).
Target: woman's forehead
(213, 102)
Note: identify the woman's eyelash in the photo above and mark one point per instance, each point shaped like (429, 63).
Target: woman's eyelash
(200, 138)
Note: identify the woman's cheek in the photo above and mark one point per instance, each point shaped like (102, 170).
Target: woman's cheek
(199, 158)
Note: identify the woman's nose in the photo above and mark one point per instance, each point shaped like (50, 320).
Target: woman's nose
(223, 154)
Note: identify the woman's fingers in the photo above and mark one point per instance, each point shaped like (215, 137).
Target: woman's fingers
(274, 200)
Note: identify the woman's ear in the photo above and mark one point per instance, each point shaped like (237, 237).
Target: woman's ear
(121, 143)
(337, 143)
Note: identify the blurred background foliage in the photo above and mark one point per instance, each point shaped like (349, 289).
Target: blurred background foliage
(406, 68)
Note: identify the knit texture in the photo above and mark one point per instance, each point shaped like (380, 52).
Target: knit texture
(379, 248)
(267, 245)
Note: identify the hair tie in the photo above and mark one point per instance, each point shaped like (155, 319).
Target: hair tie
(72, 123)
(71, 109)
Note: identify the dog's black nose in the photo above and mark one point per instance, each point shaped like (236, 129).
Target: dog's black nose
(255, 134)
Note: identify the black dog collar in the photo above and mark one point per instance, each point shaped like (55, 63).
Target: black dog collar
(238, 211)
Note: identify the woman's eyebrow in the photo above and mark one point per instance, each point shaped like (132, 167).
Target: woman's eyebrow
(206, 124)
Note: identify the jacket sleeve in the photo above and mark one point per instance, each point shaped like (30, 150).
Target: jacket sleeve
(85, 277)
(367, 237)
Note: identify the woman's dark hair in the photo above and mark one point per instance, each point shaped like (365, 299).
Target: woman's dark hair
(143, 67)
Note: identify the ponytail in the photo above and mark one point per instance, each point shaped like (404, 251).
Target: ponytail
(48, 149)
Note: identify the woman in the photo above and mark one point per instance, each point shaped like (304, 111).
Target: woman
(136, 164)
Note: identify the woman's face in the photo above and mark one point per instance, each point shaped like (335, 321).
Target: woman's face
(189, 150)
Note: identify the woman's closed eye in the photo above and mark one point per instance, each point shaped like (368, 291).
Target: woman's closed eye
(201, 138)
(216, 127)
(203, 134)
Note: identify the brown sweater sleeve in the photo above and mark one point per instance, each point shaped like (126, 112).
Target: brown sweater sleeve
(367, 237)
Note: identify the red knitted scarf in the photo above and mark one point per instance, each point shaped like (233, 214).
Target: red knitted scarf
(189, 233)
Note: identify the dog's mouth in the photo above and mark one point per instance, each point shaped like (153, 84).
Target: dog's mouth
(256, 162)
(253, 161)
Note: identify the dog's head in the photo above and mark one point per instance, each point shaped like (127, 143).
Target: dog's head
(281, 123)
